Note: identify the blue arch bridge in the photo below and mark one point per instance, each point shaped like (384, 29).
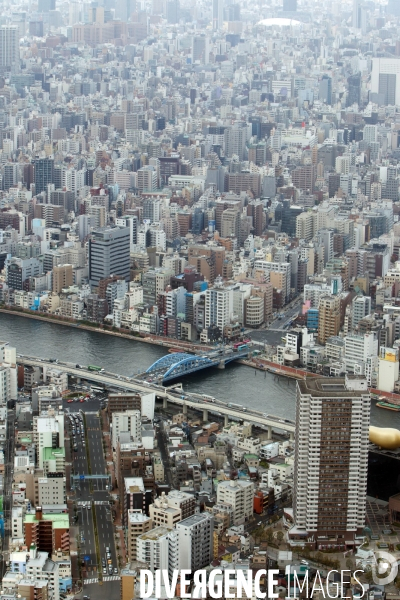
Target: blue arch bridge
(178, 364)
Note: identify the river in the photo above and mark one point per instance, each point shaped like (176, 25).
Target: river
(236, 383)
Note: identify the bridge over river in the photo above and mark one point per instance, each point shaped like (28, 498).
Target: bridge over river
(173, 395)
(179, 364)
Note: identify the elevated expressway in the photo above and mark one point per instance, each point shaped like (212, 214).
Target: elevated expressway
(192, 401)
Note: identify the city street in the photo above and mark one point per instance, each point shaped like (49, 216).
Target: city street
(273, 334)
(94, 493)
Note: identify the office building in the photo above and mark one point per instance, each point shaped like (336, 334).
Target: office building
(48, 531)
(62, 278)
(354, 89)
(43, 169)
(359, 16)
(153, 549)
(184, 501)
(230, 223)
(200, 49)
(52, 489)
(361, 354)
(135, 496)
(388, 368)
(9, 47)
(219, 307)
(129, 421)
(19, 271)
(218, 14)
(173, 11)
(42, 575)
(331, 459)
(385, 80)
(329, 317)
(360, 308)
(195, 542)
(53, 460)
(162, 514)
(239, 494)
(305, 226)
(48, 432)
(109, 254)
(325, 89)
(138, 524)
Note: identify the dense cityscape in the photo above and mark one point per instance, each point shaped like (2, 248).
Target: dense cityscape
(199, 298)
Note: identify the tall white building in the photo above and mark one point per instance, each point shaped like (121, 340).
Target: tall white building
(8, 373)
(152, 548)
(331, 460)
(370, 133)
(195, 542)
(218, 14)
(130, 421)
(48, 432)
(52, 490)
(357, 350)
(219, 306)
(9, 47)
(239, 494)
(388, 368)
(305, 226)
(279, 267)
(40, 567)
(360, 308)
(385, 79)
(342, 165)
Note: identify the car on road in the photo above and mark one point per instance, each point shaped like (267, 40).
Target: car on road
(115, 571)
(69, 401)
(104, 571)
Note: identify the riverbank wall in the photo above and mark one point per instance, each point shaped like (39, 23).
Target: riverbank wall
(106, 329)
(258, 363)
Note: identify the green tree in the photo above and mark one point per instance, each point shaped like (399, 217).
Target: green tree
(279, 536)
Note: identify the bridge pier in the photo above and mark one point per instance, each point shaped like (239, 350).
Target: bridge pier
(269, 432)
(78, 380)
(185, 409)
(205, 415)
(165, 403)
(221, 364)
(291, 436)
(226, 421)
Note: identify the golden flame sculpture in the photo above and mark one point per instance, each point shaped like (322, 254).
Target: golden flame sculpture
(385, 437)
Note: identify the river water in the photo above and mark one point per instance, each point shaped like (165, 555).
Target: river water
(236, 383)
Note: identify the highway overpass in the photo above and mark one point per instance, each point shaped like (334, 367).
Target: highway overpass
(194, 401)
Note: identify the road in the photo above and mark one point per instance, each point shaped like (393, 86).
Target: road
(253, 416)
(94, 492)
(7, 485)
(272, 335)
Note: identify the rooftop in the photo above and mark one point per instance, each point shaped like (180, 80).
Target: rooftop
(155, 534)
(325, 387)
(59, 520)
(53, 453)
(134, 484)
